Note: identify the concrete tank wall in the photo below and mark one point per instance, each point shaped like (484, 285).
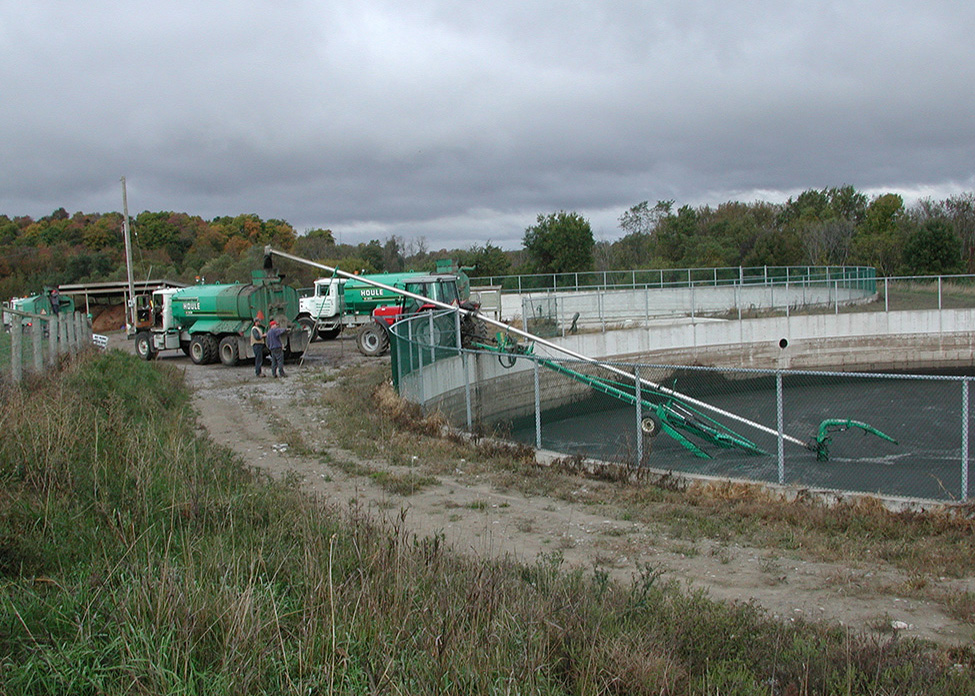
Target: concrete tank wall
(874, 341)
(598, 308)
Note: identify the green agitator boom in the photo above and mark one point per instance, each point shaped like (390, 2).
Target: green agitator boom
(673, 412)
(670, 411)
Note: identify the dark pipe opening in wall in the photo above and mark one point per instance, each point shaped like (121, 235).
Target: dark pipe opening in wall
(783, 343)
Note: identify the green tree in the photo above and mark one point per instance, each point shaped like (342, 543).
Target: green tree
(814, 206)
(878, 241)
(487, 260)
(373, 254)
(315, 244)
(775, 248)
(674, 233)
(961, 213)
(637, 247)
(8, 230)
(560, 243)
(933, 248)
(393, 261)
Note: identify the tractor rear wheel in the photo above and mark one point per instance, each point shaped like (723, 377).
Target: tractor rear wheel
(229, 351)
(372, 340)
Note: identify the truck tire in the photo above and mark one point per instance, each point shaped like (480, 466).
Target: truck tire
(229, 351)
(203, 349)
(143, 345)
(329, 334)
(309, 325)
(372, 340)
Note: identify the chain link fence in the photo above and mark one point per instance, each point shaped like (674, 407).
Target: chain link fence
(563, 311)
(887, 434)
(660, 278)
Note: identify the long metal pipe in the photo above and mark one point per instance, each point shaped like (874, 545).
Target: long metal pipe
(537, 339)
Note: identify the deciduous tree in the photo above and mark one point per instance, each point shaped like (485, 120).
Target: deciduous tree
(560, 243)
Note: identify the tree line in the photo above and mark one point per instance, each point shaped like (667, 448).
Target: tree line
(831, 226)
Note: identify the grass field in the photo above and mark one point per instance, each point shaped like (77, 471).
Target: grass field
(138, 557)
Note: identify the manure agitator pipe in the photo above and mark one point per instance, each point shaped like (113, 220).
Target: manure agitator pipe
(548, 344)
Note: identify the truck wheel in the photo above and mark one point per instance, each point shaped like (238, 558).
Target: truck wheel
(203, 349)
(329, 334)
(229, 351)
(143, 345)
(197, 351)
(372, 340)
(211, 348)
(308, 324)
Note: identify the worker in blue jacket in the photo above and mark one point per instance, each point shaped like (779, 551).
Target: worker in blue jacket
(276, 347)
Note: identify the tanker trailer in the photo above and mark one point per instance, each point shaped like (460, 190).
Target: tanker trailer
(211, 322)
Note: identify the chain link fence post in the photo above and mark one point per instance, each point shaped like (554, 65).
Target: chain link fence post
(538, 408)
(964, 441)
(781, 427)
(639, 416)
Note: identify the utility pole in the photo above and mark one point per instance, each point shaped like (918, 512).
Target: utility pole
(130, 315)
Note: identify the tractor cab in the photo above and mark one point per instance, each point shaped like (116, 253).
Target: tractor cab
(442, 288)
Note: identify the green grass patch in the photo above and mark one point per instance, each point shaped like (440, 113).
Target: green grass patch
(138, 557)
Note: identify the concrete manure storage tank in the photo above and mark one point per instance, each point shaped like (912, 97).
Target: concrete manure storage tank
(866, 401)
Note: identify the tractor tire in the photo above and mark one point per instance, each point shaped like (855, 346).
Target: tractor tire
(143, 346)
(203, 349)
(426, 336)
(329, 334)
(372, 340)
(473, 331)
(229, 351)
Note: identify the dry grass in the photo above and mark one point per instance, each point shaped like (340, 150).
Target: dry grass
(920, 545)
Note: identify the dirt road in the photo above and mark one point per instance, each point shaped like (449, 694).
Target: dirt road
(244, 413)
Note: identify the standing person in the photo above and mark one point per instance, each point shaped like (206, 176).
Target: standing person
(55, 301)
(277, 349)
(257, 345)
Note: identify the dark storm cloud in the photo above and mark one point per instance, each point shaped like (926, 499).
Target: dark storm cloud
(461, 121)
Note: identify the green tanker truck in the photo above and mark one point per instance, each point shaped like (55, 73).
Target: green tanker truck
(349, 303)
(211, 322)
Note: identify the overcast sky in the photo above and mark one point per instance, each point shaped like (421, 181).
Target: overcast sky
(459, 122)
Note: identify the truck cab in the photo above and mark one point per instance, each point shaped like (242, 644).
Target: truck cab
(327, 303)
